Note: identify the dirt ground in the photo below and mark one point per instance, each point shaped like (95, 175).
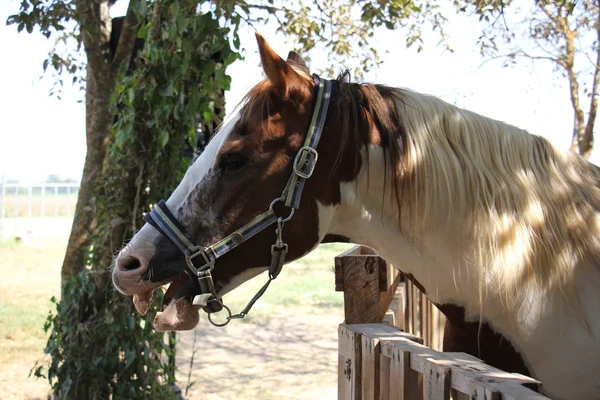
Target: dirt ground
(287, 357)
(15, 383)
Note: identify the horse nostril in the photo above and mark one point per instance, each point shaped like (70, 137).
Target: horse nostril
(128, 263)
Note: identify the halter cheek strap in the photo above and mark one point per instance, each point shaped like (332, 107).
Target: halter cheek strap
(304, 165)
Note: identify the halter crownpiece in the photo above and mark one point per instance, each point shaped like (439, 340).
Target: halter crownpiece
(303, 167)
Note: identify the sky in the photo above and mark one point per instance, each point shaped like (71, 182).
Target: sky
(41, 135)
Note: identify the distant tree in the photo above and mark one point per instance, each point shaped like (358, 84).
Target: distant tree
(564, 33)
(55, 178)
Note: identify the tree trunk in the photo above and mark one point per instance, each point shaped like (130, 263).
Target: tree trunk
(95, 26)
(95, 23)
(588, 138)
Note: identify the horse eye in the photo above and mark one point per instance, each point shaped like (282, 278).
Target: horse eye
(232, 162)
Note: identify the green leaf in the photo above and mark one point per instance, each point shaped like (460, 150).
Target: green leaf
(143, 31)
(167, 91)
(163, 138)
(130, 95)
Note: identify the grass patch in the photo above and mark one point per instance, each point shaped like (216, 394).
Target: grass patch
(305, 285)
(31, 276)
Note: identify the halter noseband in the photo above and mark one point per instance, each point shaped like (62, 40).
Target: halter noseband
(304, 165)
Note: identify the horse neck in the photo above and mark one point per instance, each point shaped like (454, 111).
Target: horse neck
(442, 256)
(368, 214)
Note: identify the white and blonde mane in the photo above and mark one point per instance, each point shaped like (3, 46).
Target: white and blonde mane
(496, 220)
(530, 210)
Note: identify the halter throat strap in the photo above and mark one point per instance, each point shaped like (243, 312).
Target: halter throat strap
(303, 167)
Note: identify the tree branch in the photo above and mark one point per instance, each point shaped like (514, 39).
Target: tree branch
(524, 54)
(578, 126)
(588, 137)
(126, 39)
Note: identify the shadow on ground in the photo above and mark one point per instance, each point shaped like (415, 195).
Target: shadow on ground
(287, 356)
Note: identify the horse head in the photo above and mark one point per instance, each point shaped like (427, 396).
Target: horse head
(239, 178)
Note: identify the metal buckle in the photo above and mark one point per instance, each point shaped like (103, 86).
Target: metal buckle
(208, 263)
(298, 170)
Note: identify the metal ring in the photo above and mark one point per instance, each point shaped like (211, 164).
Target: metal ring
(228, 320)
(292, 210)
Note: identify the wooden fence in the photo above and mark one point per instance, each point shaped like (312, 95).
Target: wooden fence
(378, 360)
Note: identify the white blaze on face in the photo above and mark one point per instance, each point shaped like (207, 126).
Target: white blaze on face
(202, 166)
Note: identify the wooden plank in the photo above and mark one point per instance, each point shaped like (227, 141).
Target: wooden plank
(404, 383)
(436, 379)
(471, 375)
(370, 367)
(361, 278)
(349, 364)
(427, 319)
(389, 318)
(510, 385)
(339, 268)
(400, 311)
(436, 343)
(422, 332)
(480, 391)
(370, 337)
(387, 297)
(415, 310)
(384, 377)
(391, 273)
(410, 309)
(465, 370)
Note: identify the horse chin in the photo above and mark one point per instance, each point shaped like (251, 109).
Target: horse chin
(179, 315)
(176, 312)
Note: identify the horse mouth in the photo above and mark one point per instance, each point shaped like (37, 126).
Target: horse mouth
(176, 313)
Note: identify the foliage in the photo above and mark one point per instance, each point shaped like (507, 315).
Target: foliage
(345, 29)
(56, 19)
(176, 91)
(176, 88)
(93, 357)
(565, 33)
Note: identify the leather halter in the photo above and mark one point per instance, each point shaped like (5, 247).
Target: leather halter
(304, 165)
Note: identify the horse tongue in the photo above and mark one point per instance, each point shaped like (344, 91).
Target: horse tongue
(141, 301)
(179, 315)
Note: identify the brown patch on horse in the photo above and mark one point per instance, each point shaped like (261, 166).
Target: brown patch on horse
(479, 340)
(273, 123)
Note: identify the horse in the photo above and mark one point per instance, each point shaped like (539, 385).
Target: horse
(489, 218)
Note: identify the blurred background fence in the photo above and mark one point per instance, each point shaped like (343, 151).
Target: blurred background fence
(39, 209)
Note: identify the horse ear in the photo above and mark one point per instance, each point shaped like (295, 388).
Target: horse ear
(297, 63)
(286, 81)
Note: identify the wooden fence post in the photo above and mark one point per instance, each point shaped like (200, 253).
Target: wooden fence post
(363, 277)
